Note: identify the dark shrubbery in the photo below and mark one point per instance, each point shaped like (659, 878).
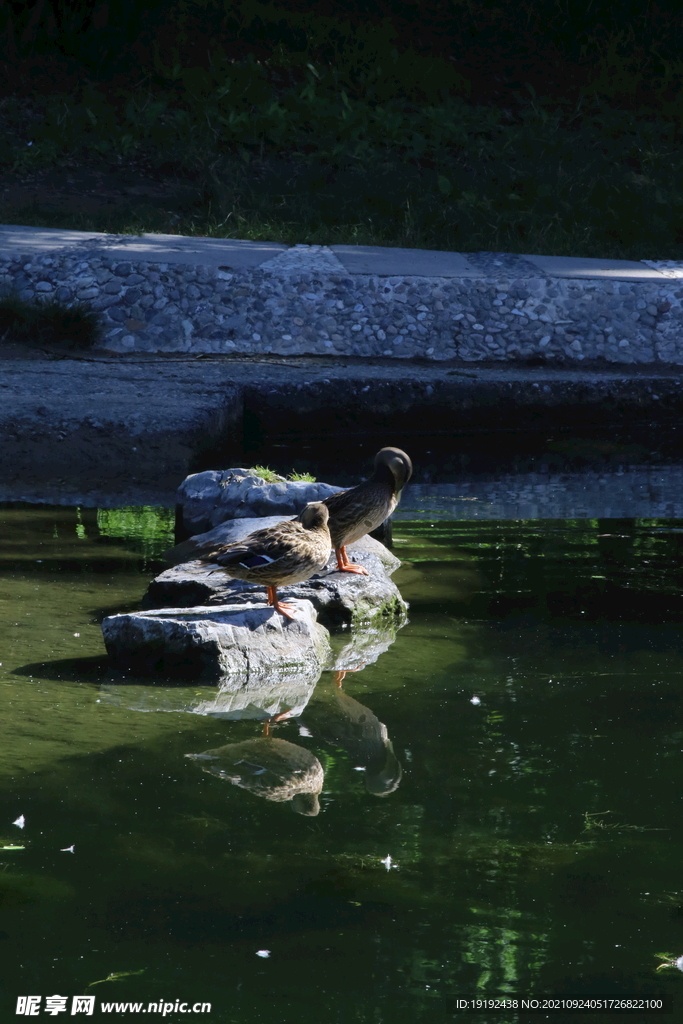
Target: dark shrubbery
(532, 127)
(47, 322)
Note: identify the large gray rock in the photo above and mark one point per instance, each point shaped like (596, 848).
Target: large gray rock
(238, 639)
(237, 529)
(339, 598)
(234, 699)
(210, 498)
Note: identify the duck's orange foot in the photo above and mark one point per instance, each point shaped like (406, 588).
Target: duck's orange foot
(352, 567)
(341, 672)
(288, 610)
(275, 720)
(344, 565)
(285, 609)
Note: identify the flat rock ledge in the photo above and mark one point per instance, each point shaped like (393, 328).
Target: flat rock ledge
(339, 598)
(210, 498)
(242, 640)
(237, 697)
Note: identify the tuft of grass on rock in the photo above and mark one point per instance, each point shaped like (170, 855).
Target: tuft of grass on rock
(271, 477)
(47, 322)
(267, 474)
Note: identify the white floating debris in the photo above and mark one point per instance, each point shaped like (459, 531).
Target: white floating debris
(77, 634)
(359, 768)
(475, 700)
(21, 821)
(263, 953)
(68, 849)
(303, 731)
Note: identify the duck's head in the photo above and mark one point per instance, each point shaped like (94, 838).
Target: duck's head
(398, 464)
(314, 516)
(307, 804)
(387, 779)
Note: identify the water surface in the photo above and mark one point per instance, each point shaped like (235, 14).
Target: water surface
(499, 813)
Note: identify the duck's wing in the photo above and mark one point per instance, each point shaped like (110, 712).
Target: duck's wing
(263, 547)
(341, 500)
(361, 508)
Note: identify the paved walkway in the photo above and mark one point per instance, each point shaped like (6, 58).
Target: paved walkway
(237, 254)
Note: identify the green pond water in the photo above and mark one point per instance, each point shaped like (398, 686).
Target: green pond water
(528, 840)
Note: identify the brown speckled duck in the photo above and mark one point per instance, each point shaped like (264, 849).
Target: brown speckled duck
(363, 508)
(273, 769)
(289, 552)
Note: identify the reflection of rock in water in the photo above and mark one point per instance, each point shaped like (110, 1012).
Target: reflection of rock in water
(342, 720)
(271, 768)
(232, 699)
(351, 652)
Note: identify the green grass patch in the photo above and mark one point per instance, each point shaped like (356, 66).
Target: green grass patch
(271, 477)
(47, 322)
(267, 474)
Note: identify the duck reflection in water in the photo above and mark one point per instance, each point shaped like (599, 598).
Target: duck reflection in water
(283, 772)
(271, 768)
(339, 719)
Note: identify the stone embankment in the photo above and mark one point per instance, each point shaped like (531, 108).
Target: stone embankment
(221, 296)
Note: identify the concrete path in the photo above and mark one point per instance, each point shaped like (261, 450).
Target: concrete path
(224, 253)
(386, 262)
(236, 254)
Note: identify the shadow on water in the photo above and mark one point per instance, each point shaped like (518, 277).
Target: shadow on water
(91, 669)
(444, 456)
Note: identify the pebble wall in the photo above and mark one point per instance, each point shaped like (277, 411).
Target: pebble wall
(305, 302)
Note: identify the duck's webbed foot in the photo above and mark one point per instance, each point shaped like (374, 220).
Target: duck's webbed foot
(288, 610)
(275, 720)
(344, 565)
(342, 672)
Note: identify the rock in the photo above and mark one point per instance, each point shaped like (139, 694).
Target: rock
(237, 529)
(242, 640)
(210, 498)
(352, 651)
(234, 699)
(339, 598)
(270, 768)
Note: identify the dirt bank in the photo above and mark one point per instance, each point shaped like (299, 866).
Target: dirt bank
(99, 430)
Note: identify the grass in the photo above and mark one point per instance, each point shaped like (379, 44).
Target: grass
(47, 322)
(304, 127)
(271, 477)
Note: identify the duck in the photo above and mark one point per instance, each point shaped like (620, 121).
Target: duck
(344, 722)
(271, 768)
(363, 508)
(289, 552)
